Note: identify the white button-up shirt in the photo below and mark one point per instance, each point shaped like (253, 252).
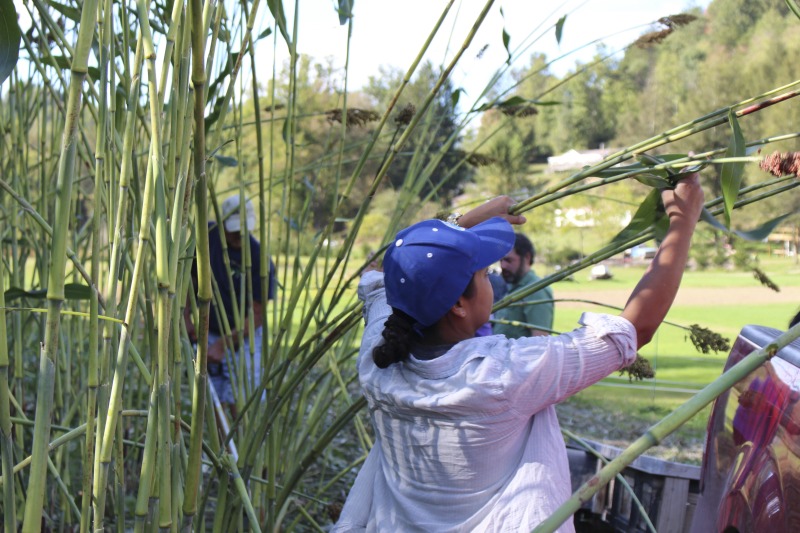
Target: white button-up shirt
(469, 441)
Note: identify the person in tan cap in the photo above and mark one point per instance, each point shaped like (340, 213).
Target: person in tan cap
(223, 337)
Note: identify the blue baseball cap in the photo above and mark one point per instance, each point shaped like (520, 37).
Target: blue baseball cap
(430, 264)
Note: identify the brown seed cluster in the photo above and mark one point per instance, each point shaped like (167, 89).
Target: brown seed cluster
(764, 280)
(671, 22)
(781, 164)
(405, 115)
(640, 369)
(480, 160)
(476, 159)
(334, 510)
(654, 37)
(681, 19)
(519, 111)
(706, 340)
(355, 116)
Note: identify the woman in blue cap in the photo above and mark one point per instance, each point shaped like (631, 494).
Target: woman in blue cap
(466, 436)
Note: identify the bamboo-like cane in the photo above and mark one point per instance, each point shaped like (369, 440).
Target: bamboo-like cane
(666, 426)
(105, 27)
(708, 121)
(6, 429)
(55, 290)
(107, 446)
(204, 294)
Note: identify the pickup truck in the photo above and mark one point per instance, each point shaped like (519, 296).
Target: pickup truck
(750, 477)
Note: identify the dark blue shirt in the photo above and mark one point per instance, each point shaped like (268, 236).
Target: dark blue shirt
(236, 257)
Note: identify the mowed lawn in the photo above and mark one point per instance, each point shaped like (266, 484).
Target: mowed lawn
(617, 410)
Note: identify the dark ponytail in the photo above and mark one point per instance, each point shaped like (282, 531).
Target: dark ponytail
(398, 333)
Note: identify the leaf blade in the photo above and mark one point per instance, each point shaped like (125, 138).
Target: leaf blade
(560, 28)
(731, 173)
(10, 37)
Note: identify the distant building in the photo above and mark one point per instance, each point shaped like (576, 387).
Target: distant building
(574, 160)
(784, 241)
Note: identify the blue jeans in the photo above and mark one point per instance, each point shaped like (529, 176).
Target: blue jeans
(220, 376)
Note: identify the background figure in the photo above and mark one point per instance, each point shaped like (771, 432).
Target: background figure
(230, 291)
(517, 273)
(499, 289)
(498, 285)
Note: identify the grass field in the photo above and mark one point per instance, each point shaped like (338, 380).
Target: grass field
(618, 411)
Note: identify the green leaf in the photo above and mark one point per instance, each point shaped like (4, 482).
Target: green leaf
(652, 180)
(77, 291)
(232, 59)
(276, 8)
(72, 13)
(285, 131)
(514, 100)
(455, 96)
(58, 62)
(706, 216)
(212, 117)
(618, 170)
(758, 234)
(226, 161)
(647, 215)
(72, 291)
(10, 36)
(794, 7)
(560, 28)
(762, 232)
(660, 226)
(731, 173)
(345, 11)
(265, 33)
(506, 38)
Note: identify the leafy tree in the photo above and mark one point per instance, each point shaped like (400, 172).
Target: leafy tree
(432, 153)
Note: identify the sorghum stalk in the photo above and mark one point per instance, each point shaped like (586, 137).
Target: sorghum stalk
(104, 21)
(204, 293)
(162, 243)
(55, 290)
(117, 386)
(6, 429)
(708, 121)
(148, 465)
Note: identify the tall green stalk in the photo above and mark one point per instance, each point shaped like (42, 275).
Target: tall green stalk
(104, 21)
(204, 293)
(6, 429)
(55, 291)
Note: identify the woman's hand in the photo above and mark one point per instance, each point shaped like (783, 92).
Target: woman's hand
(685, 201)
(496, 207)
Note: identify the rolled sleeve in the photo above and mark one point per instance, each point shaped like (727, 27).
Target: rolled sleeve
(616, 330)
(371, 291)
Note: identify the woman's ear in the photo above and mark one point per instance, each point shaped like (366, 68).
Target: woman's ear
(459, 309)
